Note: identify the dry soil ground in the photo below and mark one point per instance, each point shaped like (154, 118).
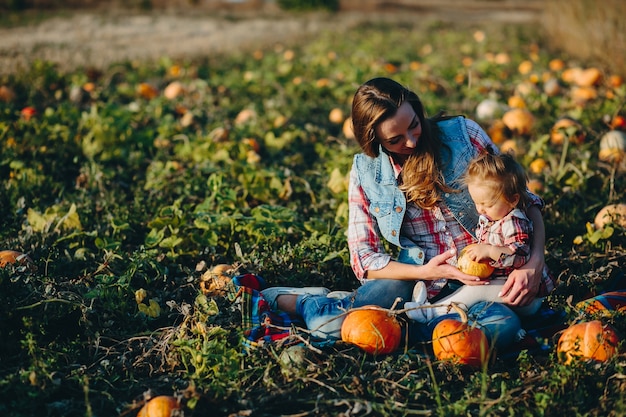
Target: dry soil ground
(98, 38)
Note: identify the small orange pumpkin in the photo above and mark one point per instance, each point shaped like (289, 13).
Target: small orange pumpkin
(372, 329)
(587, 340)
(214, 282)
(566, 127)
(161, 406)
(12, 257)
(471, 267)
(459, 342)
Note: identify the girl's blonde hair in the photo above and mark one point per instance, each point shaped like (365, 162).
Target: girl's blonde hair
(507, 177)
(378, 100)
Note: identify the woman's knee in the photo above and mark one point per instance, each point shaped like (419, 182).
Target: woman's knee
(500, 324)
(383, 292)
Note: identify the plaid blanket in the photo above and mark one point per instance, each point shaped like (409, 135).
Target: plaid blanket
(260, 324)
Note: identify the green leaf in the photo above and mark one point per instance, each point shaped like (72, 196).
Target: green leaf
(154, 237)
(170, 242)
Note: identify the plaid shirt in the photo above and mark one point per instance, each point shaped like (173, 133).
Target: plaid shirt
(434, 230)
(513, 231)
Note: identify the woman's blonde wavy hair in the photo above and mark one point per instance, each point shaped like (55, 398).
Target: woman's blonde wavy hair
(378, 100)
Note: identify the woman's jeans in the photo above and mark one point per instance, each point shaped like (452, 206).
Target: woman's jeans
(323, 315)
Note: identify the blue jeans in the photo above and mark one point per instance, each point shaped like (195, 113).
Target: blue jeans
(323, 315)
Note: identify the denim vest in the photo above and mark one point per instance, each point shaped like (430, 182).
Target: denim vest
(388, 203)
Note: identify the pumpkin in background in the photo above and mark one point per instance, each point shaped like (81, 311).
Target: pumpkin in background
(588, 77)
(519, 121)
(471, 267)
(566, 127)
(613, 146)
(587, 340)
(10, 257)
(535, 186)
(611, 214)
(372, 329)
(161, 406)
(347, 128)
(459, 342)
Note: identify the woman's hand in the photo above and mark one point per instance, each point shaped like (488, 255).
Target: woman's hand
(521, 288)
(439, 268)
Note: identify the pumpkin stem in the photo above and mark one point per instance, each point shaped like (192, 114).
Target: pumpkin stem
(459, 310)
(395, 303)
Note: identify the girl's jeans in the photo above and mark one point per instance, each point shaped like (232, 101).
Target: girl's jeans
(323, 315)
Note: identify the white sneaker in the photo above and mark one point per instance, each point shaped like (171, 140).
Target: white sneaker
(420, 294)
(339, 294)
(421, 312)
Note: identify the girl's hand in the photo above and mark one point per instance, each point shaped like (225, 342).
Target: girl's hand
(478, 252)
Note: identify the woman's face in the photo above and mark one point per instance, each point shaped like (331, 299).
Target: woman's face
(399, 134)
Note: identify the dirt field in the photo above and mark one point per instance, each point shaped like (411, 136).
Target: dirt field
(97, 38)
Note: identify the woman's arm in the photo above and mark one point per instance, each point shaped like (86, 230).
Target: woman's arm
(523, 283)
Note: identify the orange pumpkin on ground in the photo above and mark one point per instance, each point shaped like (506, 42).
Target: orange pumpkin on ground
(591, 340)
(471, 267)
(161, 406)
(459, 342)
(372, 329)
(214, 282)
(11, 257)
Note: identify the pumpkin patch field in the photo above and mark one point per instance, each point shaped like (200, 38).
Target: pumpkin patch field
(133, 195)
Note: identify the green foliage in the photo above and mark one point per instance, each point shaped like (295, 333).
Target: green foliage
(307, 5)
(124, 198)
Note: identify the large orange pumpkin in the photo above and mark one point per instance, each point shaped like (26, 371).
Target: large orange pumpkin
(373, 329)
(471, 267)
(587, 340)
(459, 342)
(161, 406)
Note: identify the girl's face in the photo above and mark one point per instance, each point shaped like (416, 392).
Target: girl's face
(488, 202)
(399, 134)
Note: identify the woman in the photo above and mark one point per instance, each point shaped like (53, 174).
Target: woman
(406, 190)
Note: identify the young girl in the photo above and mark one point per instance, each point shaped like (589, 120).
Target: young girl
(497, 185)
